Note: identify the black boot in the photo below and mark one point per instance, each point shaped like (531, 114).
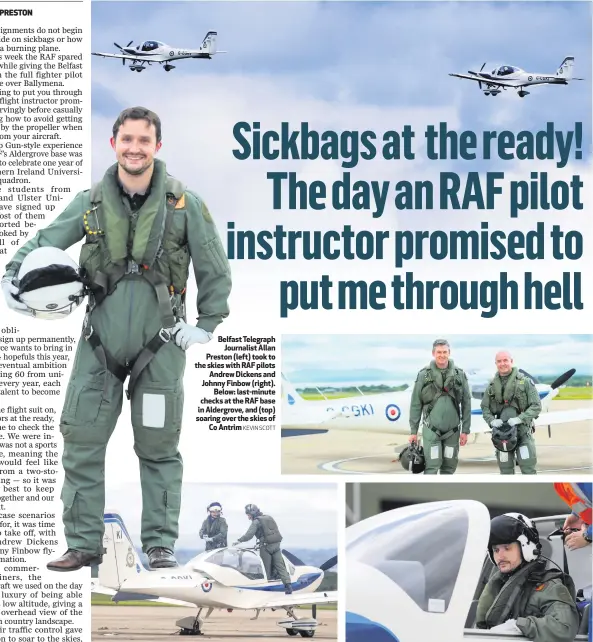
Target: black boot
(73, 560)
(161, 557)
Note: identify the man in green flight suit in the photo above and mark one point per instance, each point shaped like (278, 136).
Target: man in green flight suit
(524, 596)
(142, 227)
(441, 399)
(265, 529)
(512, 398)
(214, 528)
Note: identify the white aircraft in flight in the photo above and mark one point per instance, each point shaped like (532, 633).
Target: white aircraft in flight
(507, 77)
(398, 590)
(389, 412)
(225, 578)
(151, 51)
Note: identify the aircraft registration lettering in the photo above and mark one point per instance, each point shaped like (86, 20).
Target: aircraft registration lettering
(177, 577)
(547, 78)
(359, 410)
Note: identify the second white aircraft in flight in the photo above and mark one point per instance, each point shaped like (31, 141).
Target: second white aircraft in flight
(505, 77)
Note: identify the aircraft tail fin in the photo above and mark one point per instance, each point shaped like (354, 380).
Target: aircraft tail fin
(565, 69)
(209, 43)
(290, 396)
(121, 561)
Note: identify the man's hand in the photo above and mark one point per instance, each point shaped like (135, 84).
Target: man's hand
(514, 421)
(208, 539)
(496, 423)
(462, 439)
(413, 439)
(576, 540)
(572, 521)
(18, 306)
(510, 626)
(186, 335)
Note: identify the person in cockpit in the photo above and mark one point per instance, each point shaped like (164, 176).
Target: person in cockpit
(524, 595)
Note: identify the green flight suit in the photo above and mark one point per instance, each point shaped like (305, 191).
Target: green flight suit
(543, 607)
(125, 321)
(270, 551)
(217, 529)
(441, 399)
(519, 392)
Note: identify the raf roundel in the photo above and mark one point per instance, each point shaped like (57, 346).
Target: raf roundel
(392, 412)
(206, 586)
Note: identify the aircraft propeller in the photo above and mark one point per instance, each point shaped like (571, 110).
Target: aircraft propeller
(480, 82)
(123, 60)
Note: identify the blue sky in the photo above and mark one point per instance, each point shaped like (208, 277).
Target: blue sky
(397, 358)
(341, 66)
(367, 53)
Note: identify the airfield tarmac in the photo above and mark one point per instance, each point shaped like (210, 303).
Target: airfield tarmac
(146, 623)
(568, 451)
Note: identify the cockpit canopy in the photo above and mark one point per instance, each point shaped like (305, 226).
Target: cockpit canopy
(505, 70)
(247, 563)
(150, 45)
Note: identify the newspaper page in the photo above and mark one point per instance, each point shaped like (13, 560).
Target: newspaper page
(266, 266)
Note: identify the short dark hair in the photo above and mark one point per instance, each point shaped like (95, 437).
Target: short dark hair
(441, 342)
(138, 113)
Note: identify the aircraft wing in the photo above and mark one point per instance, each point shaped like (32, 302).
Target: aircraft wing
(155, 58)
(564, 416)
(545, 419)
(487, 81)
(296, 599)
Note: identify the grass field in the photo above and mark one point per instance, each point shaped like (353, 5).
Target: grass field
(575, 394)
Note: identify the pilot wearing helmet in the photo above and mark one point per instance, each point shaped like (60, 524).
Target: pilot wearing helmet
(214, 528)
(523, 595)
(266, 531)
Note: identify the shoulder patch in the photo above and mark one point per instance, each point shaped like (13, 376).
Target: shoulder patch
(206, 213)
(540, 587)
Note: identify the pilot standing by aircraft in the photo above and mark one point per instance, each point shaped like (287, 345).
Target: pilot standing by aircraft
(512, 398)
(265, 529)
(441, 399)
(524, 596)
(214, 528)
(141, 228)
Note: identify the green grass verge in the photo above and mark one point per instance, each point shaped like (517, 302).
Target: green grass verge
(575, 394)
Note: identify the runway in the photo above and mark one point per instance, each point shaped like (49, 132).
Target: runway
(146, 623)
(568, 451)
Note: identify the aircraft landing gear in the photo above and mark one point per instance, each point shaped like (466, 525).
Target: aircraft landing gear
(169, 67)
(137, 68)
(522, 93)
(305, 626)
(190, 625)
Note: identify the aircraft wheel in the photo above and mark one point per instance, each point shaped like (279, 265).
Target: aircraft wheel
(292, 632)
(138, 70)
(307, 634)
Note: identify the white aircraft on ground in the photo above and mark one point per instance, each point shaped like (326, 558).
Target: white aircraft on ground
(151, 51)
(507, 77)
(227, 578)
(389, 412)
(400, 591)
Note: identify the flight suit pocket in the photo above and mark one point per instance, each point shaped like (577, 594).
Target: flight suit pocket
(179, 267)
(91, 259)
(217, 257)
(156, 419)
(83, 400)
